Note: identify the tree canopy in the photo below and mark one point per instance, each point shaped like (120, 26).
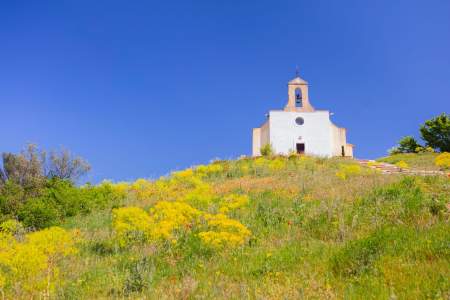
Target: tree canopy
(436, 132)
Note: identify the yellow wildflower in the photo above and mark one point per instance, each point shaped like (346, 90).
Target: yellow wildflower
(232, 202)
(402, 164)
(226, 232)
(346, 170)
(443, 160)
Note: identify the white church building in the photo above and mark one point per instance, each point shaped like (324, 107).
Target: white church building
(301, 128)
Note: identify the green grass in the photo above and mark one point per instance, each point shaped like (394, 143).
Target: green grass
(420, 161)
(314, 236)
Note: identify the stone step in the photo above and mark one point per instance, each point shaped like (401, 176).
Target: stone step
(387, 168)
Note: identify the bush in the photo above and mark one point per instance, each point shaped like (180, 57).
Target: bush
(402, 164)
(443, 160)
(67, 198)
(131, 225)
(424, 150)
(267, 150)
(54, 201)
(29, 266)
(42, 192)
(38, 213)
(12, 227)
(225, 232)
(11, 198)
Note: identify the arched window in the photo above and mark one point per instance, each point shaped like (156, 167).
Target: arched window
(298, 98)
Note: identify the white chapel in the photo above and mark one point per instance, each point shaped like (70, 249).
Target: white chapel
(301, 128)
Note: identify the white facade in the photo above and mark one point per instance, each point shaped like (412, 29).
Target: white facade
(300, 128)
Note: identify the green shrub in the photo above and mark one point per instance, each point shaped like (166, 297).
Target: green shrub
(267, 150)
(11, 198)
(100, 196)
(66, 197)
(54, 201)
(38, 213)
(408, 144)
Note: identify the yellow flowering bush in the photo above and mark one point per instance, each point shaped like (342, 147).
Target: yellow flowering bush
(347, 170)
(402, 164)
(277, 164)
(142, 189)
(232, 202)
(184, 174)
(131, 224)
(12, 226)
(54, 241)
(245, 169)
(209, 170)
(29, 267)
(182, 205)
(179, 185)
(443, 160)
(120, 188)
(259, 162)
(225, 232)
(23, 268)
(171, 216)
(185, 186)
(200, 196)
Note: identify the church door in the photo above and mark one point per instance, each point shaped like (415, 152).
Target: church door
(301, 148)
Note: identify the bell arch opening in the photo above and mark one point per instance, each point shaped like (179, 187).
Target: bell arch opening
(298, 98)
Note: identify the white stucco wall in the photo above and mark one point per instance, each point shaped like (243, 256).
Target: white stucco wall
(256, 141)
(339, 140)
(349, 150)
(315, 133)
(265, 134)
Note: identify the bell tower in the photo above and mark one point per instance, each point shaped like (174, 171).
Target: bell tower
(298, 99)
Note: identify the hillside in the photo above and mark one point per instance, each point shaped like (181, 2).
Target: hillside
(265, 228)
(421, 161)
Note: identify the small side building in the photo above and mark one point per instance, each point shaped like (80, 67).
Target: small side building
(300, 128)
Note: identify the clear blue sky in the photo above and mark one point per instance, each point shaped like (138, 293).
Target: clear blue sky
(140, 88)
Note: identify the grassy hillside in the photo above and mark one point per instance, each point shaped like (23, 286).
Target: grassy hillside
(421, 161)
(279, 228)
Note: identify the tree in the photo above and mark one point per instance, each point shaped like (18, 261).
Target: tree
(407, 144)
(25, 169)
(64, 165)
(30, 168)
(436, 132)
